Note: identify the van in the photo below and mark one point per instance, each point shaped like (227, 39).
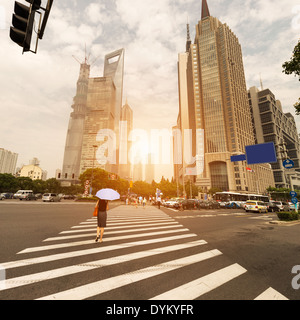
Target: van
(22, 194)
(256, 206)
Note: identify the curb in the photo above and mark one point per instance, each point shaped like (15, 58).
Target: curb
(285, 223)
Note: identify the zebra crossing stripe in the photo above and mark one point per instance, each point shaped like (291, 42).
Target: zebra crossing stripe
(99, 287)
(60, 238)
(121, 227)
(87, 242)
(109, 224)
(197, 288)
(60, 272)
(142, 219)
(271, 294)
(98, 249)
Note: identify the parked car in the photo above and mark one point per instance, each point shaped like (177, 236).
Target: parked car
(256, 206)
(51, 197)
(27, 195)
(272, 207)
(281, 205)
(234, 205)
(21, 194)
(8, 195)
(72, 197)
(2, 196)
(189, 204)
(30, 196)
(172, 203)
(292, 206)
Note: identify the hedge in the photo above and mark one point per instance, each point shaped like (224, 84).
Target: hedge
(288, 216)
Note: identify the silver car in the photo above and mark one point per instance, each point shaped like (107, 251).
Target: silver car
(51, 197)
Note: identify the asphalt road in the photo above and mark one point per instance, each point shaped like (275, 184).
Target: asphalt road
(265, 253)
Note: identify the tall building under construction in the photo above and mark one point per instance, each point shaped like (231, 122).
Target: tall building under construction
(97, 106)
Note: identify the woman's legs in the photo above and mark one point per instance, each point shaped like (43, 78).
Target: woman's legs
(100, 232)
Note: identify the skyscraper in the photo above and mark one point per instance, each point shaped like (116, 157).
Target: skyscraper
(273, 125)
(8, 161)
(73, 147)
(217, 102)
(125, 166)
(97, 106)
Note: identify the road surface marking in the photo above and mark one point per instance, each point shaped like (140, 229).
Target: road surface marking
(197, 288)
(87, 242)
(99, 287)
(60, 272)
(121, 227)
(271, 294)
(107, 232)
(98, 249)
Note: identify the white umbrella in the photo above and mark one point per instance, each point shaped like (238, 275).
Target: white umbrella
(108, 194)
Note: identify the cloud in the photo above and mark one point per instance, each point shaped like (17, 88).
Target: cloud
(37, 90)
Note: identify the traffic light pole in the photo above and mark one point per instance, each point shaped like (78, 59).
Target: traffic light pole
(42, 25)
(45, 20)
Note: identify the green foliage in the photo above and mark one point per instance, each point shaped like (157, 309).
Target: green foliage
(100, 180)
(8, 183)
(288, 216)
(293, 66)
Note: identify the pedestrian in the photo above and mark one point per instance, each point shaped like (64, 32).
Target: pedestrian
(158, 202)
(144, 202)
(102, 206)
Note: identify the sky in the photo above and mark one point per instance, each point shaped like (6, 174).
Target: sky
(36, 91)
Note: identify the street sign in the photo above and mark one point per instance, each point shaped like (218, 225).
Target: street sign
(294, 200)
(289, 164)
(261, 153)
(293, 194)
(238, 158)
(256, 154)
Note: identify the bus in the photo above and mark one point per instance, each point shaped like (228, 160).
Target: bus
(237, 200)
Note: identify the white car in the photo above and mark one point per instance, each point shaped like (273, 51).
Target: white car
(171, 203)
(293, 206)
(51, 197)
(256, 206)
(280, 204)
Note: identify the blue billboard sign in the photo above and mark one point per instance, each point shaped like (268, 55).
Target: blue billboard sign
(261, 153)
(238, 158)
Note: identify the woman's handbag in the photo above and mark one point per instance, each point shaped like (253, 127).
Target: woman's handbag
(95, 213)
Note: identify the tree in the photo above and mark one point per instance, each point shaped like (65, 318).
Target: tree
(8, 183)
(293, 66)
(53, 185)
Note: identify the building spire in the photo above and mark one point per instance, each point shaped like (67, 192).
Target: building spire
(205, 10)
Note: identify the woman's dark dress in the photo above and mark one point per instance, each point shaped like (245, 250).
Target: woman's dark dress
(102, 214)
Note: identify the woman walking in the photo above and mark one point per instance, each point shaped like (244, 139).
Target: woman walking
(101, 218)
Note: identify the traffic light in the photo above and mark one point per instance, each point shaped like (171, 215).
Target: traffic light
(23, 22)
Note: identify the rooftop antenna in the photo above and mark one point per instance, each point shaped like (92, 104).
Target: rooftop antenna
(261, 83)
(86, 58)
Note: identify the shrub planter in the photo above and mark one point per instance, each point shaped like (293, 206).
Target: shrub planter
(288, 216)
